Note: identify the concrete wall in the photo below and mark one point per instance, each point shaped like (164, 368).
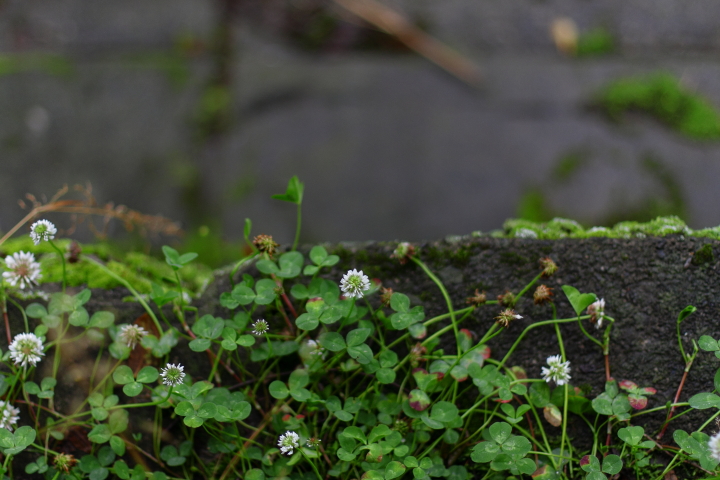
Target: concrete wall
(389, 145)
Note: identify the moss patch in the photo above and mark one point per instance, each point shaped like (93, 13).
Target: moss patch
(595, 42)
(703, 255)
(662, 96)
(564, 228)
(138, 269)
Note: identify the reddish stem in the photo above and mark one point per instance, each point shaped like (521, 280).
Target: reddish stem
(607, 368)
(290, 326)
(676, 400)
(289, 304)
(7, 323)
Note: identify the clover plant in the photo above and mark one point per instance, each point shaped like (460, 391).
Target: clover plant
(303, 373)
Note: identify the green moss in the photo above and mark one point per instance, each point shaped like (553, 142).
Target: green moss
(598, 41)
(512, 258)
(662, 96)
(138, 269)
(564, 228)
(43, 62)
(568, 165)
(703, 255)
(533, 206)
(173, 65)
(463, 254)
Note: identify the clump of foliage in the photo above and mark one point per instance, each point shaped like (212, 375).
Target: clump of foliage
(308, 377)
(662, 96)
(595, 42)
(566, 228)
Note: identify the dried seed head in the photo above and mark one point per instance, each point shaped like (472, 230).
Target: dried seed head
(313, 442)
(64, 462)
(548, 266)
(265, 244)
(477, 299)
(507, 299)
(385, 295)
(543, 294)
(507, 316)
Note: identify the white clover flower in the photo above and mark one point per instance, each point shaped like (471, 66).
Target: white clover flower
(596, 311)
(26, 348)
(9, 415)
(172, 374)
(714, 445)
(32, 294)
(315, 348)
(289, 442)
(23, 270)
(354, 283)
(186, 299)
(313, 442)
(260, 327)
(42, 230)
(559, 371)
(130, 335)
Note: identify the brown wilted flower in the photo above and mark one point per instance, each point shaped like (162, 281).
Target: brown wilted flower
(385, 295)
(265, 244)
(542, 295)
(507, 316)
(549, 267)
(74, 252)
(64, 462)
(416, 354)
(477, 299)
(596, 310)
(507, 299)
(403, 252)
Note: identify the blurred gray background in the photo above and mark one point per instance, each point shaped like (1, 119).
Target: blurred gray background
(200, 110)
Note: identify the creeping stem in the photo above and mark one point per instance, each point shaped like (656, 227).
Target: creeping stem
(127, 285)
(447, 300)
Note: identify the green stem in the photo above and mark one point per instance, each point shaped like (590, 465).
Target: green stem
(148, 404)
(215, 364)
(297, 228)
(22, 310)
(527, 287)
(708, 421)
(535, 325)
(447, 300)
(433, 320)
(239, 264)
(127, 285)
(312, 464)
(62, 260)
(565, 393)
